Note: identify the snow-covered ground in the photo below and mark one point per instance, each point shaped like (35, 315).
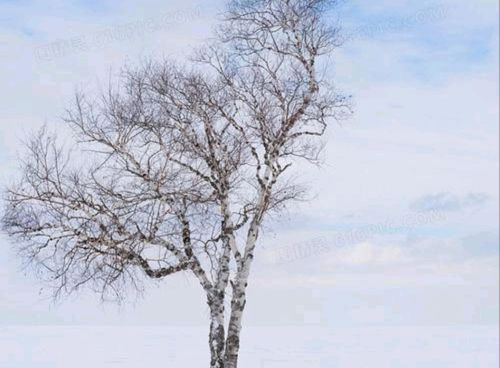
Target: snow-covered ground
(276, 347)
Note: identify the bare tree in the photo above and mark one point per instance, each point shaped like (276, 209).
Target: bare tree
(182, 165)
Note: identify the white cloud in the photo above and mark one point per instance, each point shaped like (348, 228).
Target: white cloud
(367, 254)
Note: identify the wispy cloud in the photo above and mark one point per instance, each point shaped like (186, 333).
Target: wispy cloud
(116, 33)
(448, 202)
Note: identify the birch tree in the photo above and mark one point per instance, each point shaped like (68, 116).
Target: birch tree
(176, 168)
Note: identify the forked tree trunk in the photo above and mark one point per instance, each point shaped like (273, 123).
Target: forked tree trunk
(225, 350)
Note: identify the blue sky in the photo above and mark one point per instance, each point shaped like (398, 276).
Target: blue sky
(424, 137)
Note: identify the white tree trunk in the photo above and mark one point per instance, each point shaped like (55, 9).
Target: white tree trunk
(217, 334)
(238, 302)
(234, 330)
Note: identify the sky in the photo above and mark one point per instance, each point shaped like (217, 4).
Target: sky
(402, 228)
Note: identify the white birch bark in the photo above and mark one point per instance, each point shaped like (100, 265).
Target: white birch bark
(240, 284)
